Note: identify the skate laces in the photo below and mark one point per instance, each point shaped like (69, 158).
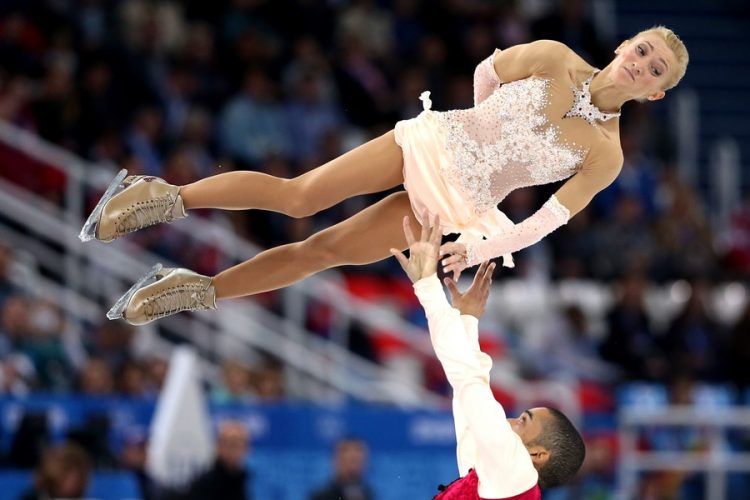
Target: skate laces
(146, 213)
(185, 297)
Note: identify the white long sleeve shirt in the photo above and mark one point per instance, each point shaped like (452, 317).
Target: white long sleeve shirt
(485, 440)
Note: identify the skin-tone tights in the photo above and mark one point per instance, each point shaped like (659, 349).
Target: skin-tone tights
(362, 239)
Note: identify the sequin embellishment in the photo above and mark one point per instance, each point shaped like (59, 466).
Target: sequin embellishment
(584, 108)
(504, 143)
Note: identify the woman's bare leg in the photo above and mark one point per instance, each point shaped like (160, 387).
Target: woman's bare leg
(363, 238)
(370, 168)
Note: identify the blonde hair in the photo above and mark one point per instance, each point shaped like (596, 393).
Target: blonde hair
(677, 47)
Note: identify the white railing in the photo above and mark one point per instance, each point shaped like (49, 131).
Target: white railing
(716, 460)
(685, 118)
(86, 176)
(112, 266)
(105, 271)
(725, 180)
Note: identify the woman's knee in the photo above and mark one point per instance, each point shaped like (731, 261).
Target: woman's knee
(301, 199)
(323, 250)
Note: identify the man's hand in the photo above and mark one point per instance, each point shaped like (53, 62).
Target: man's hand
(423, 253)
(473, 300)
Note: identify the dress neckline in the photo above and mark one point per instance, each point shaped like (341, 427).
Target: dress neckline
(584, 108)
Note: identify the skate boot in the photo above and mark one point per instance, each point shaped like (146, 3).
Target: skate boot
(171, 290)
(132, 203)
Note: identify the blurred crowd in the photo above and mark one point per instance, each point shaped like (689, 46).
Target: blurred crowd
(182, 90)
(185, 89)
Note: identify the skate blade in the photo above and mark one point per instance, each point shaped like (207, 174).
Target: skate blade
(88, 232)
(117, 311)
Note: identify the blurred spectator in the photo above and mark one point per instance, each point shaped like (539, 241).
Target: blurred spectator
(101, 103)
(570, 352)
(269, 383)
(156, 27)
(228, 476)
(197, 138)
(55, 107)
(630, 342)
(573, 249)
(252, 125)
(14, 322)
(638, 177)
(131, 379)
(695, 344)
(737, 241)
(364, 89)
(369, 24)
(17, 375)
(96, 378)
(348, 483)
(598, 470)
(111, 341)
(34, 329)
(623, 243)
(739, 351)
(235, 384)
(686, 485)
(683, 226)
(63, 473)
(6, 261)
(144, 139)
(21, 43)
(310, 116)
(569, 23)
(133, 457)
(156, 374)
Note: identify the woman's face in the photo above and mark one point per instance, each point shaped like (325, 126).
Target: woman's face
(642, 67)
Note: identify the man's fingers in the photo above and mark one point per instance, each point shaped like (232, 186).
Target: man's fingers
(452, 288)
(407, 231)
(489, 270)
(480, 274)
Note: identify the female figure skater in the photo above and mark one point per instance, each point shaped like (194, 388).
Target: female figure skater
(541, 114)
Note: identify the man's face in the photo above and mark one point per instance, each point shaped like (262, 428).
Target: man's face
(351, 457)
(529, 424)
(232, 444)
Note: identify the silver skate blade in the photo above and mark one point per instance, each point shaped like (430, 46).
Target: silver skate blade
(118, 309)
(88, 232)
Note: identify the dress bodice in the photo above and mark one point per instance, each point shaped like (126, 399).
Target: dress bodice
(513, 137)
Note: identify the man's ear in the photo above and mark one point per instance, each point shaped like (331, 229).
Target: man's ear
(621, 46)
(539, 455)
(656, 96)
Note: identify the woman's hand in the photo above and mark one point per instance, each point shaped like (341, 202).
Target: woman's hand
(454, 260)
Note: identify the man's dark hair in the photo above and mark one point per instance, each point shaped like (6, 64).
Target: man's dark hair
(566, 450)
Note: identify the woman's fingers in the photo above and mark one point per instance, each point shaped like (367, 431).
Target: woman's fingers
(408, 232)
(401, 258)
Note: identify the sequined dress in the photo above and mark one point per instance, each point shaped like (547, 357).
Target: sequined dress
(460, 164)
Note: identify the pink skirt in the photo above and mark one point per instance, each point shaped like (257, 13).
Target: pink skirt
(423, 142)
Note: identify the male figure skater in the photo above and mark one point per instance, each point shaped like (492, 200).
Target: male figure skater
(498, 457)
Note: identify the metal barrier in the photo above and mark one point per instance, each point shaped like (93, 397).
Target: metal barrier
(716, 460)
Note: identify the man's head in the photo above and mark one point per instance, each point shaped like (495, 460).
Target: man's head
(648, 64)
(350, 459)
(555, 446)
(232, 444)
